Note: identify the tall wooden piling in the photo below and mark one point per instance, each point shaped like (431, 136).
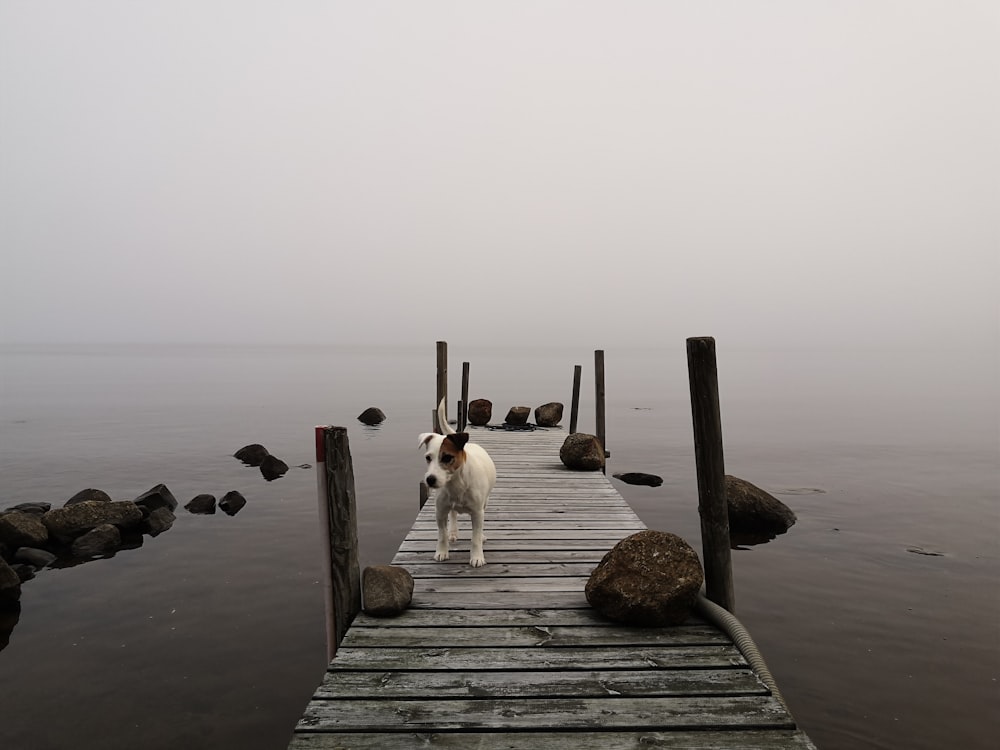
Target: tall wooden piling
(574, 413)
(463, 414)
(339, 531)
(442, 379)
(703, 376)
(599, 398)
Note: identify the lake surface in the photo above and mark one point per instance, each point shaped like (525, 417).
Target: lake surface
(211, 635)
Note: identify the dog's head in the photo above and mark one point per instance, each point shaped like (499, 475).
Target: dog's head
(445, 455)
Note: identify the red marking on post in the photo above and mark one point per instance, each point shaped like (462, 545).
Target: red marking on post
(320, 444)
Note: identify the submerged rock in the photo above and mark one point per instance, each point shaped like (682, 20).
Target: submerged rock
(754, 513)
(272, 467)
(157, 497)
(201, 504)
(35, 508)
(582, 452)
(372, 416)
(159, 521)
(10, 584)
(232, 502)
(252, 454)
(40, 558)
(638, 477)
(386, 590)
(101, 540)
(650, 578)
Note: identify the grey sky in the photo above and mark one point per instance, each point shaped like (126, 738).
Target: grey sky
(600, 172)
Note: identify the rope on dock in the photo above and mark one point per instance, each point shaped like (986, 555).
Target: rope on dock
(727, 622)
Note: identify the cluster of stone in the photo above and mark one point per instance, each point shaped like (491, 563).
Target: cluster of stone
(255, 454)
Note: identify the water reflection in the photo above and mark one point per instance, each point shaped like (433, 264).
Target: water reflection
(10, 613)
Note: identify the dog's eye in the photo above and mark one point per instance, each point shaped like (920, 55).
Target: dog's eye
(428, 459)
(447, 458)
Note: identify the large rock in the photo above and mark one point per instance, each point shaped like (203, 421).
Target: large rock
(232, 502)
(582, 452)
(651, 578)
(10, 613)
(518, 415)
(549, 415)
(20, 529)
(38, 508)
(272, 468)
(386, 590)
(89, 494)
(157, 497)
(251, 454)
(755, 515)
(159, 521)
(10, 583)
(639, 477)
(101, 540)
(201, 504)
(70, 522)
(372, 416)
(40, 558)
(480, 412)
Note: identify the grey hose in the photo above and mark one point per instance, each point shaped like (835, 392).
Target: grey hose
(727, 622)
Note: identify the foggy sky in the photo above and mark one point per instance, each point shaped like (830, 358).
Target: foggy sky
(598, 173)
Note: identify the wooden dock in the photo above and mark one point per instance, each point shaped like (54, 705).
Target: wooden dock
(511, 655)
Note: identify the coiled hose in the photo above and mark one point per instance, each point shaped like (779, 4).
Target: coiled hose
(726, 621)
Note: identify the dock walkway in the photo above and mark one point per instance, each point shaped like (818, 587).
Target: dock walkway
(511, 655)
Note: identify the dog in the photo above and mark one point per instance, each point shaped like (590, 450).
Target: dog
(463, 475)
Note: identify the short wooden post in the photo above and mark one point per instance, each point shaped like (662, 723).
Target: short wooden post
(339, 532)
(463, 412)
(574, 411)
(442, 379)
(424, 494)
(599, 398)
(703, 376)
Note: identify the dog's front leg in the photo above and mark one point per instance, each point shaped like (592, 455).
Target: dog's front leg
(477, 559)
(453, 527)
(441, 513)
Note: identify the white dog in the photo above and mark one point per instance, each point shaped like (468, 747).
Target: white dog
(463, 474)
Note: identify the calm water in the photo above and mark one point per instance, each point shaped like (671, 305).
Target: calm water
(211, 635)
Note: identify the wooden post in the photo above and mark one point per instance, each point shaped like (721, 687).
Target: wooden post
(599, 397)
(339, 532)
(442, 379)
(703, 376)
(463, 413)
(574, 412)
(424, 494)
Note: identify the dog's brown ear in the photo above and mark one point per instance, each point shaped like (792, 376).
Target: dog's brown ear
(459, 439)
(424, 439)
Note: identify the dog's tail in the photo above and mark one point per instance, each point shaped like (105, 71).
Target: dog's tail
(446, 429)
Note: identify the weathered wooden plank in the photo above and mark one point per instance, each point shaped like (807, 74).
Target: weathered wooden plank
(567, 525)
(736, 738)
(505, 557)
(519, 659)
(493, 618)
(554, 713)
(549, 684)
(509, 585)
(426, 569)
(516, 545)
(537, 636)
(493, 535)
(499, 600)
